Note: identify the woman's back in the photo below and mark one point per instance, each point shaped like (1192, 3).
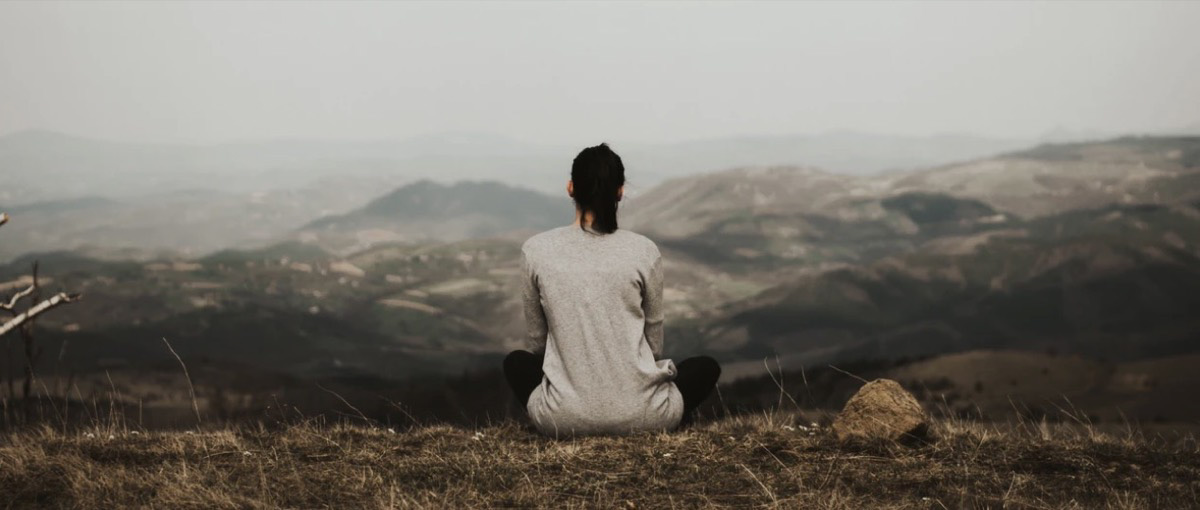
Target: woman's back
(593, 301)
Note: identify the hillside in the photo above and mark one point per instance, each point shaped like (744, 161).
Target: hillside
(1117, 282)
(394, 311)
(686, 206)
(1054, 178)
(773, 460)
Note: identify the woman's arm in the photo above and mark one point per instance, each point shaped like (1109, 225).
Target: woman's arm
(652, 306)
(535, 316)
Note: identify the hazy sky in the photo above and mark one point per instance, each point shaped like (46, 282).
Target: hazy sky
(577, 72)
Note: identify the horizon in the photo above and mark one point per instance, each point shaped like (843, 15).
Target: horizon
(1046, 136)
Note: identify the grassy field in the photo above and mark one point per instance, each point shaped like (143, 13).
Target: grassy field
(765, 460)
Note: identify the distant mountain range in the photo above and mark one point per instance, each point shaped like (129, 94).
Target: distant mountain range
(185, 222)
(44, 165)
(1089, 248)
(81, 193)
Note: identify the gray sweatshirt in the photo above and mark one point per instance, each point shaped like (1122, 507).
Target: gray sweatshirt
(593, 301)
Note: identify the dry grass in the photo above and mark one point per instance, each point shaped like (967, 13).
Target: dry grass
(749, 461)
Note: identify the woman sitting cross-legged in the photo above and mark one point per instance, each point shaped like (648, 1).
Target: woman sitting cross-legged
(594, 318)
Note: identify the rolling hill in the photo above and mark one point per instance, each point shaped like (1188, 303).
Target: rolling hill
(1059, 177)
(426, 211)
(779, 218)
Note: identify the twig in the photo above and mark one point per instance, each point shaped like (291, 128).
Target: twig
(191, 389)
(849, 374)
(13, 302)
(811, 400)
(779, 383)
(347, 402)
(401, 409)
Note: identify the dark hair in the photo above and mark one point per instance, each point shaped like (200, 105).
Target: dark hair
(597, 174)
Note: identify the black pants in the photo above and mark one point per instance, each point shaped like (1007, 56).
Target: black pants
(695, 377)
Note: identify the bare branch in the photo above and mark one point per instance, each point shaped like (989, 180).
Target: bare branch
(13, 302)
(38, 309)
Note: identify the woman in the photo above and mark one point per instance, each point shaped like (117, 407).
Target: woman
(594, 320)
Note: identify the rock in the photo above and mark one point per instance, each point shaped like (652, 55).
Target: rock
(881, 410)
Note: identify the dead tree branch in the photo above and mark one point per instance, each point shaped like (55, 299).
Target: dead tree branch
(38, 309)
(23, 322)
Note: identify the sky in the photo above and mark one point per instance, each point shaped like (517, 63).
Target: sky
(574, 72)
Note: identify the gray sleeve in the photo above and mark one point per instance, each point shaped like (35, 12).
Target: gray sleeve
(535, 316)
(652, 306)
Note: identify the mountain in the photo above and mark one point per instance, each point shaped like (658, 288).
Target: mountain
(426, 211)
(782, 218)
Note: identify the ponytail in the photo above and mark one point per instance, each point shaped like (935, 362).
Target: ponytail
(597, 174)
